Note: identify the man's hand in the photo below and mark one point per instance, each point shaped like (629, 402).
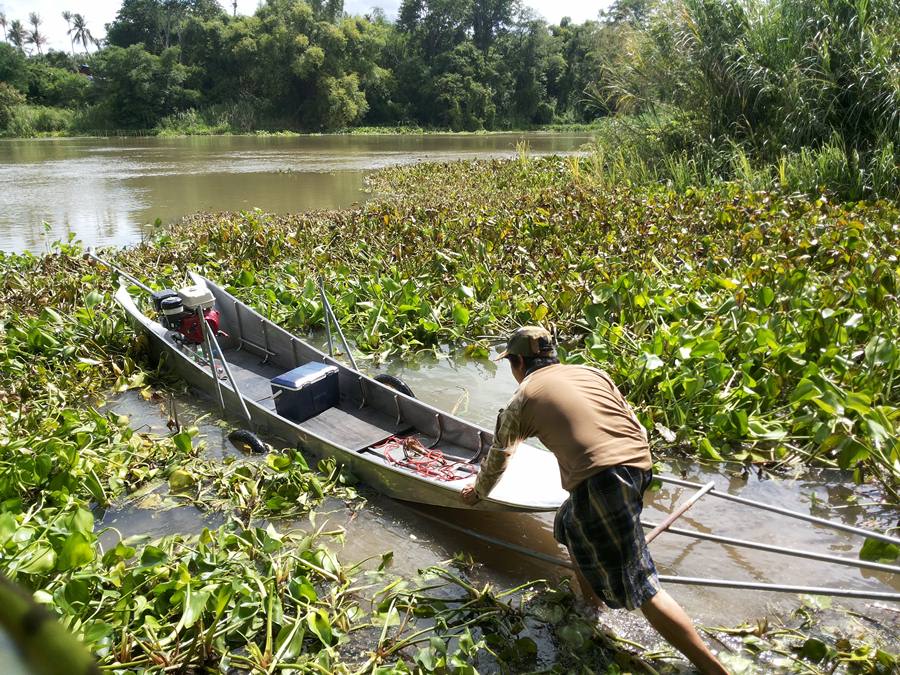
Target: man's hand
(469, 496)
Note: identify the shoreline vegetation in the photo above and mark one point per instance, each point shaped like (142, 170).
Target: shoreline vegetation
(188, 131)
(726, 248)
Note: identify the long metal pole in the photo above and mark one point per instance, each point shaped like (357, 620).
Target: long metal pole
(693, 581)
(212, 362)
(781, 588)
(785, 512)
(341, 335)
(672, 517)
(89, 253)
(781, 550)
(212, 341)
(327, 313)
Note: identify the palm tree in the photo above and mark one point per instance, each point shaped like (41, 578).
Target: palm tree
(17, 35)
(67, 15)
(34, 36)
(82, 33)
(3, 23)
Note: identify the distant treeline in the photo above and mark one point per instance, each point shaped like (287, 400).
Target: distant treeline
(455, 64)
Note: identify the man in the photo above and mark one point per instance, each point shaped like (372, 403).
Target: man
(604, 463)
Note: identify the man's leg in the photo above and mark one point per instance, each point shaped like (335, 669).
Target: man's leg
(667, 617)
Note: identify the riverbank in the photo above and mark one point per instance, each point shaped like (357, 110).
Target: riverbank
(744, 326)
(53, 123)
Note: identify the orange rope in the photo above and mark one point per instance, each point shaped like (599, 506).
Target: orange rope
(425, 462)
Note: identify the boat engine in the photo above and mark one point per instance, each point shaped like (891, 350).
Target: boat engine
(180, 312)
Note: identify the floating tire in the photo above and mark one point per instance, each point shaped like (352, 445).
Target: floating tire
(394, 383)
(247, 441)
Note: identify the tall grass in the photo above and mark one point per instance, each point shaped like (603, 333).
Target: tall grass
(807, 91)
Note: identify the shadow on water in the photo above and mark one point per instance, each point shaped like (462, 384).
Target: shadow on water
(476, 389)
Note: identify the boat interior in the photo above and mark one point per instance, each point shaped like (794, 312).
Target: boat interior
(359, 414)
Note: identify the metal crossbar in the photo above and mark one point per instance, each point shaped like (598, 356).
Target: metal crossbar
(674, 579)
(785, 512)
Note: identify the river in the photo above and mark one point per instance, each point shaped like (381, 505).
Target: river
(110, 190)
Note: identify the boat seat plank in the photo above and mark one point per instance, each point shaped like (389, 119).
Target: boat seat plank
(253, 377)
(349, 429)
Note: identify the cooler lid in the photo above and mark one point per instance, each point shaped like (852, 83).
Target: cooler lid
(303, 375)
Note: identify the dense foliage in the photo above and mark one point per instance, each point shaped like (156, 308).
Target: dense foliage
(263, 591)
(457, 64)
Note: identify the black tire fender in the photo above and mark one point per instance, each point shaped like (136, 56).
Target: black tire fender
(246, 440)
(394, 383)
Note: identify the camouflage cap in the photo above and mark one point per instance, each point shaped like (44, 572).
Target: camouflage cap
(528, 341)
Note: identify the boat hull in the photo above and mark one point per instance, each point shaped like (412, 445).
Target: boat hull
(384, 478)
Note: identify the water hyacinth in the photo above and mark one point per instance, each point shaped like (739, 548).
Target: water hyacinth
(755, 327)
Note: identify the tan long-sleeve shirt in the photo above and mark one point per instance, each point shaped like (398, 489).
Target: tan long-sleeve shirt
(579, 414)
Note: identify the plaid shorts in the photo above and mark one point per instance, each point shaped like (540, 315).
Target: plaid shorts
(600, 523)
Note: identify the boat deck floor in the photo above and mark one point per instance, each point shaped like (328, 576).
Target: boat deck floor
(345, 424)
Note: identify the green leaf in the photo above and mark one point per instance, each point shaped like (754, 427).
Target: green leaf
(318, 623)
(880, 350)
(180, 480)
(814, 650)
(460, 314)
(194, 606)
(851, 454)
(77, 550)
(182, 441)
(706, 347)
(876, 550)
(42, 558)
(772, 432)
(278, 462)
(804, 391)
(766, 296)
(82, 521)
(706, 449)
(93, 299)
(301, 588)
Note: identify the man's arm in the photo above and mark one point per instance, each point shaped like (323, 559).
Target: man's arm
(507, 437)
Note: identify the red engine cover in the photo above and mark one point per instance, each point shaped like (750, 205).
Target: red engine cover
(191, 329)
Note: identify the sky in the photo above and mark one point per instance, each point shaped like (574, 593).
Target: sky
(100, 12)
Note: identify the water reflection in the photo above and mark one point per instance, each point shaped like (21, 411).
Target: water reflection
(106, 191)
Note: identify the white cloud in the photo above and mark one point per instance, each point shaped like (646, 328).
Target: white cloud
(100, 12)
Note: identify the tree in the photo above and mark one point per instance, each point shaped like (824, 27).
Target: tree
(17, 35)
(67, 15)
(138, 88)
(3, 23)
(10, 97)
(490, 18)
(81, 32)
(157, 24)
(35, 37)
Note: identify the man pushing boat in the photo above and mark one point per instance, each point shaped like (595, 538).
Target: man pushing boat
(604, 463)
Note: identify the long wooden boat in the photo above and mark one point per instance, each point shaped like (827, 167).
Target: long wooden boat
(362, 429)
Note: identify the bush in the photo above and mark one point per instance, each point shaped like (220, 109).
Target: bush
(10, 98)
(35, 120)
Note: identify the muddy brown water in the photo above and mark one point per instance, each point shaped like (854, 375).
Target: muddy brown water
(476, 390)
(107, 191)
